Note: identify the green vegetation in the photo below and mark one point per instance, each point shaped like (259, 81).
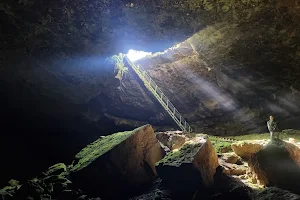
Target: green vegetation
(57, 169)
(99, 147)
(220, 145)
(252, 137)
(185, 154)
(285, 135)
(120, 68)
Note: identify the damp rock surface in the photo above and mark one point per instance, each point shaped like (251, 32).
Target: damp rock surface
(190, 168)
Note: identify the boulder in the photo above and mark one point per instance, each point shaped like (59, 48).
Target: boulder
(123, 161)
(190, 168)
(228, 187)
(230, 158)
(171, 139)
(232, 169)
(273, 193)
(245, 149)
(275, 165)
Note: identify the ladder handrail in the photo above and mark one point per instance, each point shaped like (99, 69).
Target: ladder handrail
(160, 96)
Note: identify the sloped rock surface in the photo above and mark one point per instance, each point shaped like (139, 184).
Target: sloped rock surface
(230, 157)
(233, 169)
(122, 161)
(190, 168)
(245, 149)
(171, 139)
(275, 166)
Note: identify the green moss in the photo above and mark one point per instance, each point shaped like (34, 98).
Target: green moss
(252, 137)
(100, 147)
(56, 179)
(13, 183)
(56, 169)
(285, 135)
(185, 154)
(221, 146)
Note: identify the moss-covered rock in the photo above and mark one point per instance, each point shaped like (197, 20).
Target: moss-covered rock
(57, 169)
(123, 161)
(222, 146)
(189, 168)
(96, 149)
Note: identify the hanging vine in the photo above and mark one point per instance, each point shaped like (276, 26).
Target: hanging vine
(120, 69)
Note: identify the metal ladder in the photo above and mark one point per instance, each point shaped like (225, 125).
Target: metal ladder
(163, 100)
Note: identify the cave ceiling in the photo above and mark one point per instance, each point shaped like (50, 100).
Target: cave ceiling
(235, 63)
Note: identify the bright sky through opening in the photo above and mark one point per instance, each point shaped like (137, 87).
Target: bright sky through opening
(134, 55)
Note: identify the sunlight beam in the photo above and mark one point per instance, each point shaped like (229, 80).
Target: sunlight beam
(134, 55)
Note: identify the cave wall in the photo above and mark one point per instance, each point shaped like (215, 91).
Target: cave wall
(227, 84)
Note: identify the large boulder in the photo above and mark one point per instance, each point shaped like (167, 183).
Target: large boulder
(190, 168)
(245, 149)
(228, 187)
(123, 161)
(275, 165)
(171, 139)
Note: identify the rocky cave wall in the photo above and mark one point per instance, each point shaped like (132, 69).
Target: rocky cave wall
(225, 79)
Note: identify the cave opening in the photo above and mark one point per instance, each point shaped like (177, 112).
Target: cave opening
(135, 55)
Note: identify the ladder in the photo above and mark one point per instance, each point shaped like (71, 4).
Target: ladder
(163, 100)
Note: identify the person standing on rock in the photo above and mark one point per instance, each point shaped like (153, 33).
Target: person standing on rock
(272, 126)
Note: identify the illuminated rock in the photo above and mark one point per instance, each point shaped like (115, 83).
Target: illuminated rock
(171, 139)
(230, 157)
(292, 140)
(277, 165)
(190, 168)
(123, 161)
(245, 149)
(233, 169)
